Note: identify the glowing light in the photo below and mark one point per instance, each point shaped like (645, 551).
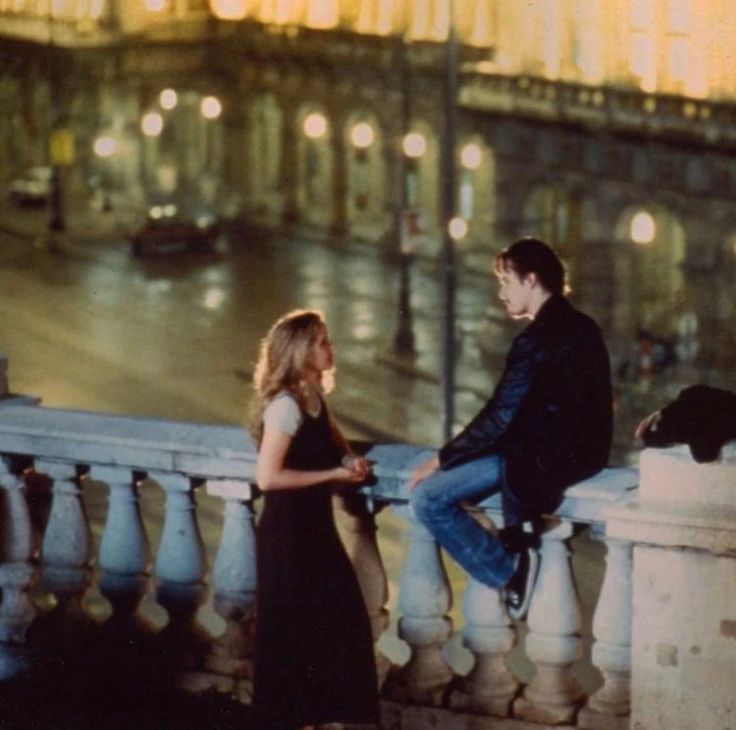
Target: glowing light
(210, 107)
(156, 6)
(414, 145)
(322, 13)
(361, 135)
(457, 228)
(643, 228)
(471, 156)
(214, 298)
(105, 146)
(168, 99)
(152, 124)
(96, 8)
(315, 125)
(229, 9)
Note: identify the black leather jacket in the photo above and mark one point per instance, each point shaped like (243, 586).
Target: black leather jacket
(551, 414)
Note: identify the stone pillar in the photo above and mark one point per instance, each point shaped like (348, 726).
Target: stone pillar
(238, 139)
(3, 376)
(490, 687)
(234, 580)
(594, 290)
(359, 536)
(181, 566)
(553, 643)
(609, 708)
(289, 175)
(424, 599)
(339, 224)
(16, 575)
(125, 555)
(67, 549)
(683, 524)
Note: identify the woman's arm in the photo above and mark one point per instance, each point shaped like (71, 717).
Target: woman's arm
(271, 473)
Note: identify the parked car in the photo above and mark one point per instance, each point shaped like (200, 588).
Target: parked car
(166, 228)
(33, 187)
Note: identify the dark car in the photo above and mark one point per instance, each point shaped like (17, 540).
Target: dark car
(166, 229)
(33, 187)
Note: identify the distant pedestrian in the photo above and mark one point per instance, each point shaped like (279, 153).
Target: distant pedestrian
(547, 426)
(314, 661)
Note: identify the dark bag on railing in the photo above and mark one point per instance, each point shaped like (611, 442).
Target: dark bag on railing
(702, 417)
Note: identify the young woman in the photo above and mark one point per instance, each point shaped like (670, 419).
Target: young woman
(314, 660)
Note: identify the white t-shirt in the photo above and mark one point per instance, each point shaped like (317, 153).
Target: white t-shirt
(283, 414)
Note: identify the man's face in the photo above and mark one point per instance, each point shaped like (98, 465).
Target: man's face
(515, 292)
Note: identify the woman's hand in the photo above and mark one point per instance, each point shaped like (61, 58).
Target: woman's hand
(358, 465)
(348, 475)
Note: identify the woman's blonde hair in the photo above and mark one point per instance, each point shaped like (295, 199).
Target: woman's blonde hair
(283, 359)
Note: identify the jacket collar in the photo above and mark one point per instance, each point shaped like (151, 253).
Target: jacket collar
(555, 304)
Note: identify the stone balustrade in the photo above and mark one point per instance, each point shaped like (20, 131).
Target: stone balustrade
(57, 555)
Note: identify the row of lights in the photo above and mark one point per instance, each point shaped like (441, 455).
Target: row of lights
(152, 123)
(414, 144)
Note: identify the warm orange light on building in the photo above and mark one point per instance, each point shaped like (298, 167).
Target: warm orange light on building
(419, 19)
(322, 13)
(229, 9)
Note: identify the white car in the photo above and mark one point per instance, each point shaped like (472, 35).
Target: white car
(33, 187)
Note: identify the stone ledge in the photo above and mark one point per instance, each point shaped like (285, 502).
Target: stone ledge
(586, 501)
(411, 717)
(703, 527)
(672, 475)
(82, 437)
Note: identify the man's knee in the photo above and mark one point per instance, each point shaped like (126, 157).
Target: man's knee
(425, 504)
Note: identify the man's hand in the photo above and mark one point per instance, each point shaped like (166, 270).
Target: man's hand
(423, 471)
(649, 423)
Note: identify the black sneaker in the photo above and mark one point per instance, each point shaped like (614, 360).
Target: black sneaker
(520, 587)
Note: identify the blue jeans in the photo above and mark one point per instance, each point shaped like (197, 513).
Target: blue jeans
(436, 502)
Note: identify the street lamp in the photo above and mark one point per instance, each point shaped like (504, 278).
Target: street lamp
(210, 107)
(404, 337)
(448, 214)
(61, 142)
(168, 99)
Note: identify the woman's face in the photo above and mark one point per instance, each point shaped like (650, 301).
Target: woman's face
(322, 355)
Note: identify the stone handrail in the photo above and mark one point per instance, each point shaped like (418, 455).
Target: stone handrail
(69, 447)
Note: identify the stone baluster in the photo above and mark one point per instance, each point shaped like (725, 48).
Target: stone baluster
(424, 600)
(125, 555)
(181, 566)
(66, 553)
(16, 574)
(553, 642)
(234, 580)
(359, 536)
(490, 687)
(610, 707)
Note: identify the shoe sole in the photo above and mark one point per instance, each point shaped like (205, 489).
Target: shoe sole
(518, 613)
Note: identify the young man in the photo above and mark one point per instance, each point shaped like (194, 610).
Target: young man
(547, 425)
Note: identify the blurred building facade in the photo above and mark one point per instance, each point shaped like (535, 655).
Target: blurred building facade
(603, 126)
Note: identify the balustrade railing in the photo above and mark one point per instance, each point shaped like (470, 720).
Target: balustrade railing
(55, 555)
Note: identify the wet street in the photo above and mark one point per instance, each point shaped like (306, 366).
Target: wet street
(175, 336)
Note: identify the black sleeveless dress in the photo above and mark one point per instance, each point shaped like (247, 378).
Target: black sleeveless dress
(314, 659)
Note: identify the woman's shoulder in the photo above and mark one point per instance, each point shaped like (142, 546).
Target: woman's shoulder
(283, 413)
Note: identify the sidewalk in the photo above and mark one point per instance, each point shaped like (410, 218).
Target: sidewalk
(83, 224)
